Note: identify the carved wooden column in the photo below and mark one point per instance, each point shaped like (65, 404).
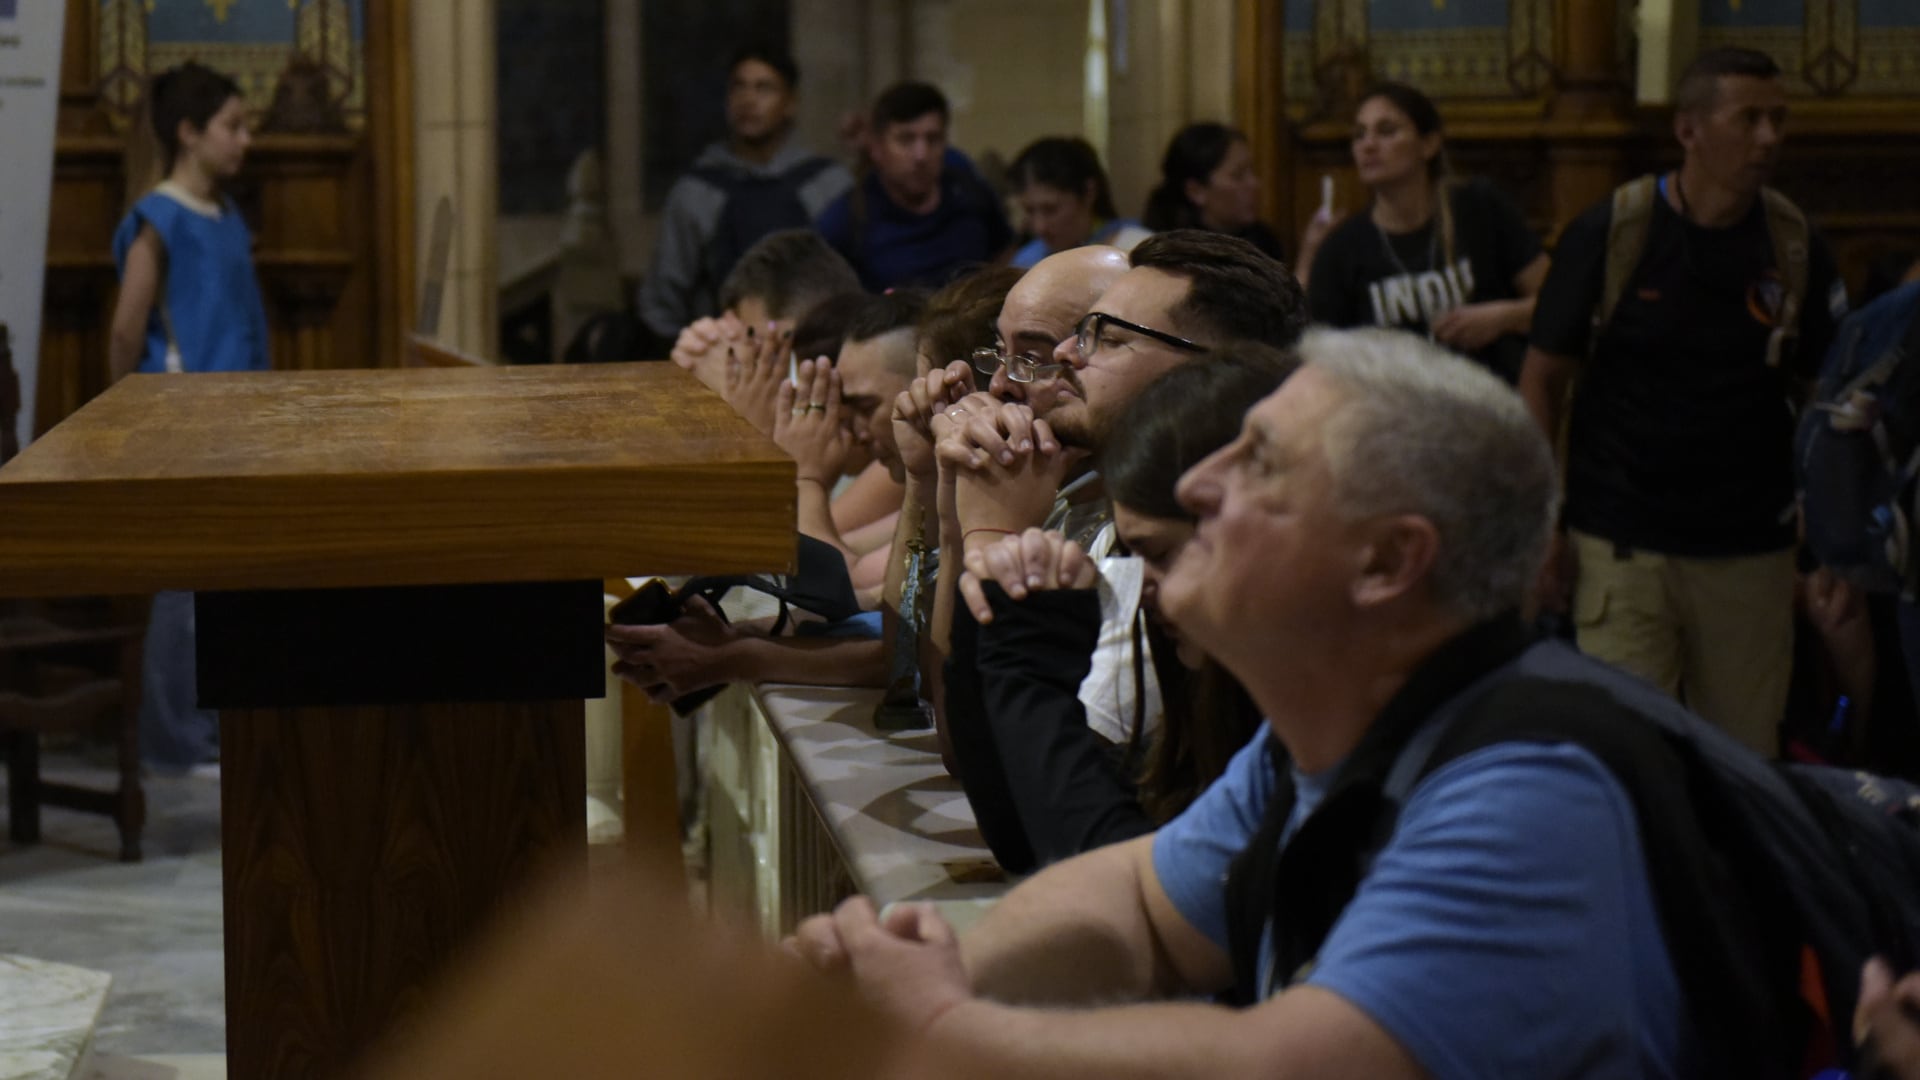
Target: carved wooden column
(1592, 109)
(1260, 102)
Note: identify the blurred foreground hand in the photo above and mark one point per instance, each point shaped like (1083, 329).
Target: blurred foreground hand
(617, 979)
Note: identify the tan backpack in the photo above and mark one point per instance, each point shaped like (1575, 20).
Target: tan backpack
(1627, 240)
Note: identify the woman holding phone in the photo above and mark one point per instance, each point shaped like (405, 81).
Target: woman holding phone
(1453, 261)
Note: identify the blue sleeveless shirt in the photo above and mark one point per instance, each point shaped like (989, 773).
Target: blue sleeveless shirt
(219, 320)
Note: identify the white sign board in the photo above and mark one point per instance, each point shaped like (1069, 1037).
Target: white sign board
(29, 98)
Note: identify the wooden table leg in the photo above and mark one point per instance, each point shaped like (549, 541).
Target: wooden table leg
(372, 820)
(649, 777)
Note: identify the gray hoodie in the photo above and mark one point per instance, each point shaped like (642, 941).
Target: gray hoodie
(674, 292)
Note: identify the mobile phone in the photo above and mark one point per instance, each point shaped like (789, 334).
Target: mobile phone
(1326, 194)
(652, 605)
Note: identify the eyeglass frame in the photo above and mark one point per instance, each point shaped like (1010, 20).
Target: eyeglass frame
(1085, 334)
(1020, 367)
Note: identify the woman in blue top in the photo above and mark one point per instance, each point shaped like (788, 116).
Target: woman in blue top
(188, 302)
(188, 297)
(1063, 194)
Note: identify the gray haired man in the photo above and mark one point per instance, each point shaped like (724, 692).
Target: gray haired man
(1362, 552)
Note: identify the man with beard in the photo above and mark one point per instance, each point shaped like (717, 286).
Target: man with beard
(1187, 291)
(1356, 573)
(1010, 465)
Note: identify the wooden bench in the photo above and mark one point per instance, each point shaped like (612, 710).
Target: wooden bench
(67, 667)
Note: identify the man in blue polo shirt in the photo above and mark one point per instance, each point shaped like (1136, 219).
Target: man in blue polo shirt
(921, 215)
(1358, 575)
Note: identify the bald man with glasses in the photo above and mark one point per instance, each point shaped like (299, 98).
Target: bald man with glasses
(1020, 455)
(1185, 291)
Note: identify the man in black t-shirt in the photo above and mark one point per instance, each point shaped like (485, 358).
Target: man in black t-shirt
(1679, 485)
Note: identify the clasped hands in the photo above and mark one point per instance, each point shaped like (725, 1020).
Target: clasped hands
(906, 963)
(1005, 464)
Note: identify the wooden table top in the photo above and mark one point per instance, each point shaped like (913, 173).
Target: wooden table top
(393, 477)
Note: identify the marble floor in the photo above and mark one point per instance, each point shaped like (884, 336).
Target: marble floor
(153, 925)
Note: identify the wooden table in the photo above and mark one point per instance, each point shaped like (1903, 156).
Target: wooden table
(399, 614)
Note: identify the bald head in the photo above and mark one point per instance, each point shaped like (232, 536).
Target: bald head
(1050, 299)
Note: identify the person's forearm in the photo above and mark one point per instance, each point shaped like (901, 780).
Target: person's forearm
(1155, 1040)
(123, 354)
(1543, 386)
(1076, 933)
(1517, 315)
(873, 536)
(812, 661)
(814, 514)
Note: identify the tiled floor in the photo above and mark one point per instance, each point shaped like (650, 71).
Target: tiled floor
(153, 925)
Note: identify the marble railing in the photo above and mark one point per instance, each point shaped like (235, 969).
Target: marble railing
(809, 803)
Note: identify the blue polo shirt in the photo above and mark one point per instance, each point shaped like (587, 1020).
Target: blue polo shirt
(1507, 929)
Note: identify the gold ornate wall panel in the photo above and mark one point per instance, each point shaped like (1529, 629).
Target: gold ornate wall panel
(1444, 64)
(1830, 48)
(251, 40)
(324, 205)
(1538, 99)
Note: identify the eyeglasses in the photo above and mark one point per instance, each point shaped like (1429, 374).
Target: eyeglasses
(1086, 336)
(1021, 368)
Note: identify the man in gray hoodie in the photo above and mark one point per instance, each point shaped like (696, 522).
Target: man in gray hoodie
(754, 182)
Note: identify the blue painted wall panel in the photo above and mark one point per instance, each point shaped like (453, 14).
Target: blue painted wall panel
(246, 22)
(1886, 14)
(1752, 13)
(1429, 15)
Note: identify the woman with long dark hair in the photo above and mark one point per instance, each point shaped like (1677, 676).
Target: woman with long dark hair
(1043, 784)
(1207, 181)
(1065, 200)
(1451, 260)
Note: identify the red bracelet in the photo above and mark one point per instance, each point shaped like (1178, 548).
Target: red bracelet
(987, 528)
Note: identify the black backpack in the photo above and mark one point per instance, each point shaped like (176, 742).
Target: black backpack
(1857, 451)
(1774, 883)
(755, 206)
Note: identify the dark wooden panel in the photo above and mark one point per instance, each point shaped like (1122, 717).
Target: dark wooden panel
(364, 847)
(526, 641)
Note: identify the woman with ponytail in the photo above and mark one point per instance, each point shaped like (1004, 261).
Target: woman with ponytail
(188, 302)
(1207, 181)
(1452, 261)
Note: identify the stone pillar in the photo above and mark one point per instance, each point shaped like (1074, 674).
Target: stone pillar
(454, 157)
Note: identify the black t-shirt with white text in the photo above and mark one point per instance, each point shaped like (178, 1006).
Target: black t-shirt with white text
(1681, 435)
(1365, 276)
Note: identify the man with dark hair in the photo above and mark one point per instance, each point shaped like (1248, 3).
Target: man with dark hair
(755, 182)
(1188, 291)
(1713, 303)
(922, 213)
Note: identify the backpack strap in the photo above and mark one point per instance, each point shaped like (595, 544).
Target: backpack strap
(1249, 886)
(1742, 997)
(1791, 235)
(1626, 241)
